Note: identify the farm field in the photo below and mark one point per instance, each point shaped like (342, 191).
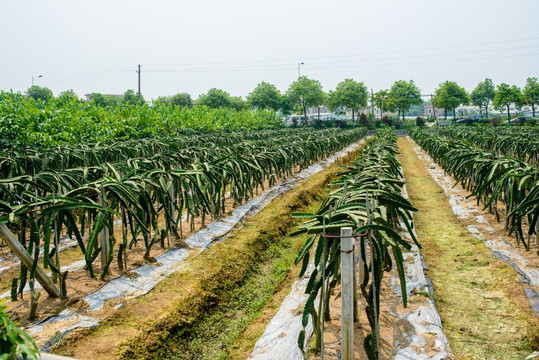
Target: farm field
(187, 180)
(191, 208)
(83, 199)
(488, 307)
(68, 121)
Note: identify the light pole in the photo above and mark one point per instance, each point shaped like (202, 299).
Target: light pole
(35, 77)
(299, 69)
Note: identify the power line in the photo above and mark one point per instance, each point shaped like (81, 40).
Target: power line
(345, 55)
(288, 67)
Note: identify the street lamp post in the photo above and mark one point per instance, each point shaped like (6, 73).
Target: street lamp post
(35, 77)
(299, 69)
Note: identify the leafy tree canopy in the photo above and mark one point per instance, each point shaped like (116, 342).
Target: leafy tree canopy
(215, 98)
(68, 96)
(349, 94)
(381, 100)
(403, 95)
(265, 96)
(483, 94)
(238, 104)
(182, 99)
(507, 95)
(531, 92)
(104, 100)
(305, 92)
(131, 98)
(450, 95)
(39, 93)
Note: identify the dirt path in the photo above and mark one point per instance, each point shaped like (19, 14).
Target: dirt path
(484, 309)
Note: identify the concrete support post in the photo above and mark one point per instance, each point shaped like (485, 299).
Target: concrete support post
(347, 294)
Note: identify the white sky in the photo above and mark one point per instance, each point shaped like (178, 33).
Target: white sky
(192, 46)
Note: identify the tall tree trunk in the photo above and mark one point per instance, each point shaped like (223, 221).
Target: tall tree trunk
(508, 116)
(486, 110)
(533, 109)
(454, 117)
(445, 113)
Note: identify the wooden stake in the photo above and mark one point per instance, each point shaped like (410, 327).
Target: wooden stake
(27, 260)
(104, 236)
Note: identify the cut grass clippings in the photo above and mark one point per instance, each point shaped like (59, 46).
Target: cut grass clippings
(484, 310)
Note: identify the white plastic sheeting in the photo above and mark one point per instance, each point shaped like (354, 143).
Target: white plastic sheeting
(169, 262)
(424, 319)
(280, 338)
(482, 230)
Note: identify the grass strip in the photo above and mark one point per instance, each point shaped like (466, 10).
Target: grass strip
(484, 310)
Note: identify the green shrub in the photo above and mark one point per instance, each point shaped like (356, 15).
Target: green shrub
(14, 341)
(363, 119)
(419, 121)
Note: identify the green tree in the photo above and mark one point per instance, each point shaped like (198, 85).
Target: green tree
(265, 96)
(285, 105)
(349, 94)
(450, 95)
(402, 96)
(507, 95)
(131, 98)
(68, 96)
(483, 94)
(215, 98)
(104, 100)
(182, 99)
(163, 100)
(531, 92)
(39, 93)
(381, 101)
(305, 93)
(237, 103)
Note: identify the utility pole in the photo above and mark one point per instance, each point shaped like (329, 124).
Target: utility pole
(433, 108)
(138, 71)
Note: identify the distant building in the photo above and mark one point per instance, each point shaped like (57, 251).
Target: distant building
(429, 111)
(314, 110)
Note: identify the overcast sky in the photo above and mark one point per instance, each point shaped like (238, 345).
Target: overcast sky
(193, 46)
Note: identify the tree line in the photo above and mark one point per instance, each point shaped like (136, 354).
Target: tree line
(349, 95)
(450, 95)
